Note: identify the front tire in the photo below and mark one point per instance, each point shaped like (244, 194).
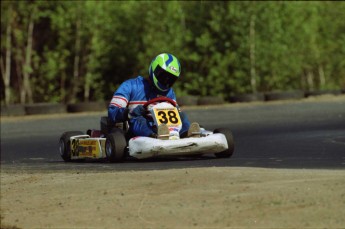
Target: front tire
(65, 144)
(229, 138)
(115, 146)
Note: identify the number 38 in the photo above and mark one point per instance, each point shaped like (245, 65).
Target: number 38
(168, 116)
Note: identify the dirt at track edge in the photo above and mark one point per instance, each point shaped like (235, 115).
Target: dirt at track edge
(176, 198)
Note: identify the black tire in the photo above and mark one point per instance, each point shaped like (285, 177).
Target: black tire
(284, 95)
(210, 100)
(115, 146)
(45, 108)
(229, 138)
(247, 98)
(322, 92)
(87, 106)
(187, 100)
(65, 146)
(13, 110)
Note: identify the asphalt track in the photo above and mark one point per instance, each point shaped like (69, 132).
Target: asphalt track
(309, 135)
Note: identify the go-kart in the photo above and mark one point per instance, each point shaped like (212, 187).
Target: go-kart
(115, 143)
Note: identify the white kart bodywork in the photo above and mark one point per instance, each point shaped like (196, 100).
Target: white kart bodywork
(144, 147)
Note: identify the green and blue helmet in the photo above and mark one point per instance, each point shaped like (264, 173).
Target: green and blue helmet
(164, 70)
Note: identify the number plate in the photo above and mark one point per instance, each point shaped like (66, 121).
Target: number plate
(168, 116)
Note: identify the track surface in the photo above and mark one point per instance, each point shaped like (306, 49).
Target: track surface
(308, 134)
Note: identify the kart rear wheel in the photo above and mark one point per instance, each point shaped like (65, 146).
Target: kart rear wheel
(115, 146)
(65, 144)
(229, 138)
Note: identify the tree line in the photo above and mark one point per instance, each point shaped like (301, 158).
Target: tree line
(71, 51)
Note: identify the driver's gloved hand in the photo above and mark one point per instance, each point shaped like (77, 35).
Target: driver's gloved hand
(138, 111)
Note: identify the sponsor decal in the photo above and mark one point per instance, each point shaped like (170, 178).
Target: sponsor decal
(84, 148)
(86, 151)
(173, 129)
(86, 142)
(172, 68)
(74, 147)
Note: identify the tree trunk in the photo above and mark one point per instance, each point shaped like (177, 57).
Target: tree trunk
(27, 64)
(310, 80)
(252, 53)
(6, 68)
(87, 88)
(322, 77)
(19, 72)
(76, 62)
(62, 87)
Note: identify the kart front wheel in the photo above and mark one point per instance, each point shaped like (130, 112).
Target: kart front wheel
(229, 138)
(115, 146)
(65, 144)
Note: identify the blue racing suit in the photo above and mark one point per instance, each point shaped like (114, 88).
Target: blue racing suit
(134, 92)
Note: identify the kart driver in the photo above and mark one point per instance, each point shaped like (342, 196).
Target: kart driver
(128, 99)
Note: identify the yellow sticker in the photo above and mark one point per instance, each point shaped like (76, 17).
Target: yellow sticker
(168, 116)
(82, 148)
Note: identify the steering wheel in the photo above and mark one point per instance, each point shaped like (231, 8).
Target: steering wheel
(159, 100)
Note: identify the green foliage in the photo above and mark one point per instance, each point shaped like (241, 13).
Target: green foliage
(82, 50)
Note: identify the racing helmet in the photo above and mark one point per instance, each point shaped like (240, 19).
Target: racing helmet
(164, 70)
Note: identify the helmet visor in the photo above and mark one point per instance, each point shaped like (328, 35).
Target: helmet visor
(165, 78)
